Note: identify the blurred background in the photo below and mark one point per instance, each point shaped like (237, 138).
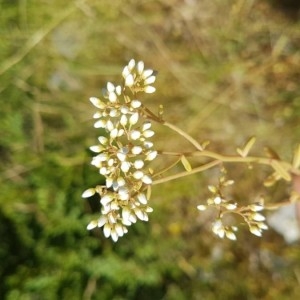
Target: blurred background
(226, 70)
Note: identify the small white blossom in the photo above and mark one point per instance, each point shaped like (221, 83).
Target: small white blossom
(138, 164)
(136, 150)
(106, 199)
(100, 124)
(151, 155)
(123, 153)
(148, 133)
(202, 207)
(142, 198)
(150, 80)
(147, 179)
(125, 72)
(256, 231)
(134, 118)
(97, 102)
(92, 225)
(131, 64)
(136, 103)
(125, 166)
(129, 80)
(147, 73)
(88, 193)
(107, 230)
(140, 67)
(149, 89)
(135, 134)
(257, 217)
(230, 235)
(138, 175)
(217, 200)
(110, 87)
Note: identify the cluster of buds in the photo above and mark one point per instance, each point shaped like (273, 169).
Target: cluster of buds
(249, 213)
(123, 152)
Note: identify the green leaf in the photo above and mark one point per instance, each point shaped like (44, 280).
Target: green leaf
(280, 170)
(247, 147)
(186, 163)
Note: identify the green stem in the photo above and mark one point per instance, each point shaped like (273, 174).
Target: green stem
(232, 158)
(186, 173)
(167, 168)
(184, 134)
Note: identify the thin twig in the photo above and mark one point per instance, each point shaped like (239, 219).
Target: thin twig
(186, 173)
(184, 134)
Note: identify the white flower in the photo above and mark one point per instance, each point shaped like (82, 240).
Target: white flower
(110, 87)
(123, 120)
(131, 64)
(147, 179)
(230, 235)
(112, 97)
(123, 193)
(149, 89)
(140, 67)
(217, 200)
(88, 193)
(102, 221)
(129, 80)
(123, 153)
(218, 228)
(125, 166)
(138, 164)
(92, 225)
(202, 207)
(148, 133)
(230, 206)
(151, 155)
(254, 230)
(103, 140)
(139, 213)
(100, 124)
(134, 118)
(257, 217)
(146, 126)
(125, 72)
(106, 230)
(135, 103)
(97, 102)
(136, 150)
(147, 73)
(142, 198)
(138, 175)
(149, 80)
(106, 199)
(135, 134)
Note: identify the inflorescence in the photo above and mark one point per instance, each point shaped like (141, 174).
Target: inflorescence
(250, 213)
(123, 153)
(125, 150)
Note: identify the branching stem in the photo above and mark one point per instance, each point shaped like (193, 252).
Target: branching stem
(186, 173)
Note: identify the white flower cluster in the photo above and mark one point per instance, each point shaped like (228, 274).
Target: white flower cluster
(252, 218)
(138, 78)
(123, 153)
(249, 213)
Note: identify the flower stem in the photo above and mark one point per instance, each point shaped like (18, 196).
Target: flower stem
(235, 159)
(184, 134)
(186, 173)
(167, 168)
